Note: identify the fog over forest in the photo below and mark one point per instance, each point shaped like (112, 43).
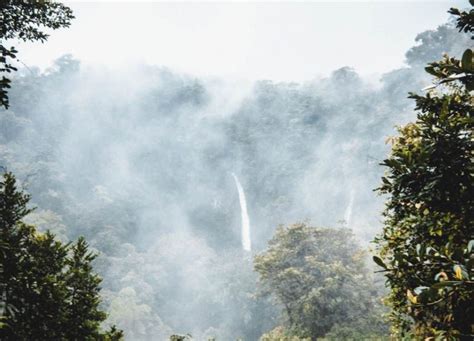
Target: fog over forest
(144, 162)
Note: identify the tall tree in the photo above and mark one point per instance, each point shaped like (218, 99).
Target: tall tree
(83, 314)
(48, 289)
(26, 20)
(319, 276)
(426, 248)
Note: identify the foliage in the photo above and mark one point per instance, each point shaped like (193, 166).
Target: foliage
(48, 289)
(281, 334)
(318, 275)
(426, 248)
(137, 319)
(176, 337)
(368, 327)
(23, 20)
(465, 19)
(90, 174)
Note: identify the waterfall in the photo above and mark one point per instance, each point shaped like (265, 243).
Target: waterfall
(246, 243)
(348, 213)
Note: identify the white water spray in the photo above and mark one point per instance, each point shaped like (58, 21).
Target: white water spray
(348, 213)
(246, 243)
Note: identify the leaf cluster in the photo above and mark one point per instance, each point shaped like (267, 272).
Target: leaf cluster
(26, 20)
(465, 19)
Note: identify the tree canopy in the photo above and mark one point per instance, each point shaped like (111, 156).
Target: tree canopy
(426, 247)
(319, 277)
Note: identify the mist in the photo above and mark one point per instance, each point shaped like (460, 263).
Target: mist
(141, 161)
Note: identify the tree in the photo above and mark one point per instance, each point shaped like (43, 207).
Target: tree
(426, 247)
(319, 276)
(48, 289)
(24, 20)
(83, 316)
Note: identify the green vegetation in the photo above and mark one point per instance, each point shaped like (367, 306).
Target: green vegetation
(48, 289)
(161, 214)
(23, 20)
(426, 248)
(320, 278)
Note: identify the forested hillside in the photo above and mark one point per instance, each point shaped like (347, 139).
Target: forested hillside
(139, 161)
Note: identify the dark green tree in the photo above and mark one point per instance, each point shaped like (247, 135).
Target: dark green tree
(319, 276)
(83, 315)
(24, 20)
(48, 289)
(426, 248)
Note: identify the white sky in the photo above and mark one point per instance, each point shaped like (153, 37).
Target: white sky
(290, 41)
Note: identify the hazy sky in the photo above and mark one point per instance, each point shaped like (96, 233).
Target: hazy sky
(267, 40)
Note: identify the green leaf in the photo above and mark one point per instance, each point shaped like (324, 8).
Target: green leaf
(379, 262)
(420, 249)
(470, 86)
(431, 71)
(466, 61)
(444, 284)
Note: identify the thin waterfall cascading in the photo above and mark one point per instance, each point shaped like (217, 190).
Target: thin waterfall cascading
(348, 213)
(246, 243)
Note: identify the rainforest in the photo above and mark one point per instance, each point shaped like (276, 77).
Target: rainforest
(144, 202)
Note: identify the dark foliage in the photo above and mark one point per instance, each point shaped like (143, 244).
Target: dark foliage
(25, 20)
(48, 289)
